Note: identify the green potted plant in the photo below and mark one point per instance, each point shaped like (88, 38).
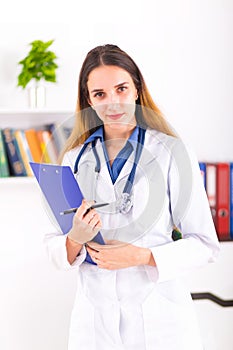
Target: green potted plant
(38, 65)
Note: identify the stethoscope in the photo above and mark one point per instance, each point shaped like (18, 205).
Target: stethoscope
(125, 202)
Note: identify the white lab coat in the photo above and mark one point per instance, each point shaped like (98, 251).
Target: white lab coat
(142, 308)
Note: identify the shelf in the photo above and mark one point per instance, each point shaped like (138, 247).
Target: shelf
(33, 111)
(17, 180)
(226, 240)
(33, 117)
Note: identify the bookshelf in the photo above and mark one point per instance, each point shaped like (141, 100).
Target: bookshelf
(33, 118)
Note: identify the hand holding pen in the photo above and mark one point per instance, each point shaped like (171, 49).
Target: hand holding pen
(86, 222)
(73, 210)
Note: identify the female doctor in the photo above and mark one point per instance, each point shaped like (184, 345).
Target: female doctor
(132, 296)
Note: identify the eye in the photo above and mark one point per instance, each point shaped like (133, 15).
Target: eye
(99, 94)
(122, 88)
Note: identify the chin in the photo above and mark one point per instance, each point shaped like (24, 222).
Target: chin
(124, 124)
(121, 126)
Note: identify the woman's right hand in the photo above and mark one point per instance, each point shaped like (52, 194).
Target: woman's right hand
(85, 225)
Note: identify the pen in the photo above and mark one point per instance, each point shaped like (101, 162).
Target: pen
(73, 210)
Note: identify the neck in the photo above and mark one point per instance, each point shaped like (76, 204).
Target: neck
(118, 133)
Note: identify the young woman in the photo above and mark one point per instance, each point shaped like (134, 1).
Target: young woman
(123, 152)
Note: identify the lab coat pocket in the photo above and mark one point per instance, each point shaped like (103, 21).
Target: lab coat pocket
(165, 320)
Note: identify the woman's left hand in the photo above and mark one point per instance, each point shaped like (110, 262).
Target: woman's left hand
(118, 255)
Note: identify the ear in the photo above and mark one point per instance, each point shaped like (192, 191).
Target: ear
(91, 105)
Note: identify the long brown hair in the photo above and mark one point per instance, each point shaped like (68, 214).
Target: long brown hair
(86, 119)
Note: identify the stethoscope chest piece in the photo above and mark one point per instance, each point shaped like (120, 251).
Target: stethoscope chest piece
(124, 203)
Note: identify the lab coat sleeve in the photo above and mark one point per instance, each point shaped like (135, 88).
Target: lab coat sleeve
(191, 213)
(56, 248)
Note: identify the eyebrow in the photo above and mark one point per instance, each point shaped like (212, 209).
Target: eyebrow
(116, 86)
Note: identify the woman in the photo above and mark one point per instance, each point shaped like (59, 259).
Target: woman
(124, 153)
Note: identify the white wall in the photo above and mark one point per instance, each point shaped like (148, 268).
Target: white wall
(184, 49)
(35, 298)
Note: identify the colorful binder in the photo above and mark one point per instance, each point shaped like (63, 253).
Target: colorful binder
(202, 167)
(62, 192)
(211, 171)
(223, 200)
(231, 200)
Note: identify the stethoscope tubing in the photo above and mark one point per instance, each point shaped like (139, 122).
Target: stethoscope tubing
(138, 152)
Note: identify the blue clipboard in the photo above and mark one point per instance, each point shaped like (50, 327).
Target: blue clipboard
(62, 192)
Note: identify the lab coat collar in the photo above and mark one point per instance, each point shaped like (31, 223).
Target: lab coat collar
(151, 150)
(149, 153)
(99, 135)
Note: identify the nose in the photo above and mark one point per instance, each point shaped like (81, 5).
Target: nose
(113, 98)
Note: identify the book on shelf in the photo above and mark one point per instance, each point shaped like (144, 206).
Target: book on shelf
(14, 157)
(34, 144)
(47, 141)
(60, 133)
(4, 168)
(24, 150)
(45, 154)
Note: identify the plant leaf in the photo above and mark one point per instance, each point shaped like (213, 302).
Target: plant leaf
(38, 64)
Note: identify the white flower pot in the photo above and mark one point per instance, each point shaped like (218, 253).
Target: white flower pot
(37, 96)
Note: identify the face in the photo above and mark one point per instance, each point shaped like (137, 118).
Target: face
(112, 94)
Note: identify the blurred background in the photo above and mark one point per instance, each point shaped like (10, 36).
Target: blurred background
(184, 49)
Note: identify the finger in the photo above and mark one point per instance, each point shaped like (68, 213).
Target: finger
(89, 203)
(90, 251)
(82, 209)
(99, 224)
(94, 246)
(111, 241)
(104, 265)
(88, 206)
(93, 254)
(88, 217)
(95, 224)
(92, 222)
(116, 243)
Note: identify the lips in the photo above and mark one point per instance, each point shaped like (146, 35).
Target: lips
(115, 116)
